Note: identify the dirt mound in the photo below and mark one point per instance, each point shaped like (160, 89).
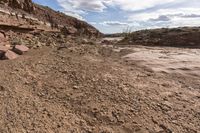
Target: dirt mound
(176, 37)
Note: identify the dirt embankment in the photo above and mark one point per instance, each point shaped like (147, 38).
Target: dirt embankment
(187, 37)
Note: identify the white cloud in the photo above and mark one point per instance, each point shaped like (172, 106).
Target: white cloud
(93, 23)
(140, 14)
(114, 23)
(133, 5)
(77, 8)
(144, 16)
(83, 5)
(100, 5)
(73, 14)
(161, 18)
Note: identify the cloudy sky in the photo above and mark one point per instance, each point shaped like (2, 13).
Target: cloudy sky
(111, 16)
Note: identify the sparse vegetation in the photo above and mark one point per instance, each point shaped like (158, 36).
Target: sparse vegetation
(127, 33)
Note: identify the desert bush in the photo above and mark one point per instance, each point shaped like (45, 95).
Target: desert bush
(16, 41)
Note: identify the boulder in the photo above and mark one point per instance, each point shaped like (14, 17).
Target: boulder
(3, 50)
(20, 49)
(85, 41)
(106, 42)
(10, 55)
(69, 30)
(2, 38)
(1, 35)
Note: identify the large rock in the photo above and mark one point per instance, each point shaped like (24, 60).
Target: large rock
(2, 35)
(10, 55)
(3, 50)
(20, 49)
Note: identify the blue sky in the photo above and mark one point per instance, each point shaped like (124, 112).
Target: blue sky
(111, 16)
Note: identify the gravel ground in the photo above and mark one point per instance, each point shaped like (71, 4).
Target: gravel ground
(92, 89)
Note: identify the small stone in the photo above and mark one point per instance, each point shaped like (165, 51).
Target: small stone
(75, 87)
(10, 55)
(2, 88)
(20, 49)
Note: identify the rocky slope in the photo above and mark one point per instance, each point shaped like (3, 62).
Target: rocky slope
(56, 19)
(26, 5)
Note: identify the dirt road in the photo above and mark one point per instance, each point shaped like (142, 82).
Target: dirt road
(93, 89)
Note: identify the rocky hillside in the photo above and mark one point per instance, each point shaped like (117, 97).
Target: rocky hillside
(176, 37)
(55, 19)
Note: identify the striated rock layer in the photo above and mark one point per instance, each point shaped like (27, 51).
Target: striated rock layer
(56, 19)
